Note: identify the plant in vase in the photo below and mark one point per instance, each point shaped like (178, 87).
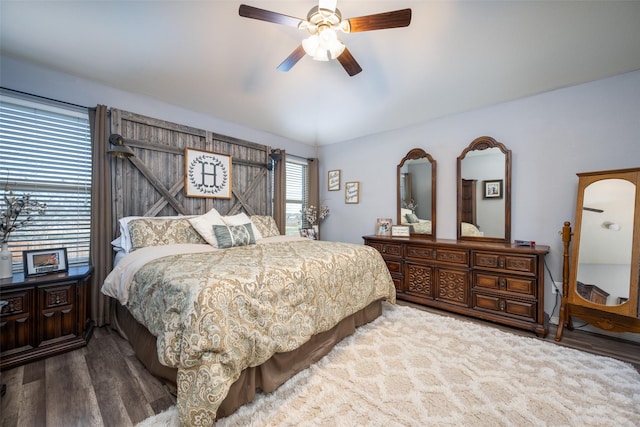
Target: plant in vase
(15, 214)
(313, 216)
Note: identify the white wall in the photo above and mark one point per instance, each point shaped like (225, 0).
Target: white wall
(553, 136)
(26, 77)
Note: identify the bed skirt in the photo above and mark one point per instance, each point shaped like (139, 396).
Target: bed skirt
(266, 377)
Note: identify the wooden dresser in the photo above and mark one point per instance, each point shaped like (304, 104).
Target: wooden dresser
(43, 315)
(497, 282)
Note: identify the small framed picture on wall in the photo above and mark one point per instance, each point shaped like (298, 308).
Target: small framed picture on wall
(493, 189)
(352, 192)
(334, 180)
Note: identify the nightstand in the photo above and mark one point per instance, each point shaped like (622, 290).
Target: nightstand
(43, 315)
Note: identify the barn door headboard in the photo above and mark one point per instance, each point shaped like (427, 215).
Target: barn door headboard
(151, 183)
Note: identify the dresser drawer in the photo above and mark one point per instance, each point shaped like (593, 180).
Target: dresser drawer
(56, 296)
(496, 282)
(522, 264)
(524, 310)
(388, 250)
(441, 255)
(395, 267)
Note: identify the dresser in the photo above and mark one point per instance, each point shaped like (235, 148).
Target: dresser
(43, 315)
(497, 282)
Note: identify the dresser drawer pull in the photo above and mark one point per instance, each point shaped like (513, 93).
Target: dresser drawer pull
(501, 305)
(503, 283)
(501, 263)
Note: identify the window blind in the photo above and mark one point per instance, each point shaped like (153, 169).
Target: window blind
(297, 194)
(45, 151)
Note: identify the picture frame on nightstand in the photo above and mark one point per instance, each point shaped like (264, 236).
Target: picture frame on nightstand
(45, 261)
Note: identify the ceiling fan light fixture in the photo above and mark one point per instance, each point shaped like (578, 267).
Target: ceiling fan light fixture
(323, 46)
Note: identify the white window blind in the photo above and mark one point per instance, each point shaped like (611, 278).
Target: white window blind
(45, 151)
(297, 194)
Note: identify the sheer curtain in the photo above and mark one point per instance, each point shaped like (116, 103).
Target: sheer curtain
(100, 254)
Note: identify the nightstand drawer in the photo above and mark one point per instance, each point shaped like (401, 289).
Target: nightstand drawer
(56, 296)
(17, 303)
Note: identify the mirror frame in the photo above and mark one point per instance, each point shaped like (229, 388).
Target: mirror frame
(416, 154)
(483, 143)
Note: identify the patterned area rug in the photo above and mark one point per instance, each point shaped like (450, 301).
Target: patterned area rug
(414, 368)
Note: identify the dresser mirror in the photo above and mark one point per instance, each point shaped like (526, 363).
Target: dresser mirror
(484, 191)
(417, 193)
(601, 284)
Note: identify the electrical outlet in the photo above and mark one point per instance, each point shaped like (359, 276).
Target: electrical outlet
(557, 289)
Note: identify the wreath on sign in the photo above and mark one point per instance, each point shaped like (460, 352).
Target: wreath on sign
(203, 188)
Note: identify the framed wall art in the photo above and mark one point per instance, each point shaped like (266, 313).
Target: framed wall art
(352, 192)
(207, 174)
(492, 189)
(44, 261)
(334, 180)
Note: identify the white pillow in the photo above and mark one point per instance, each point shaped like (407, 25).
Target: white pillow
(241, 219)
(204, 225)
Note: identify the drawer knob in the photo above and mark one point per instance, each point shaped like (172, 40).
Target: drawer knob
(501, 305)
(501, 263)
(503, 283)
(57, 299)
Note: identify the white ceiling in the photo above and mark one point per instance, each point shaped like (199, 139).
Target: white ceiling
(455, 56)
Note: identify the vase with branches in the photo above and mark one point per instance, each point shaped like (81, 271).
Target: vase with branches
(15, 214)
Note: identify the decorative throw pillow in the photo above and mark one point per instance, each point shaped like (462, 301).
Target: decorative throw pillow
(159, 232)
(241, 219)
(234, 235)
(266, 225)
(203, 224)
(412, 218)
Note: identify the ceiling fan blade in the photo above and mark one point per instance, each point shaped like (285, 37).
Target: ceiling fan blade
(380, 21)
(349, 63)
(292, 59)
(269, 16)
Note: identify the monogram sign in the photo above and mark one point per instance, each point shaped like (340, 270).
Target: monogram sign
(207, 174)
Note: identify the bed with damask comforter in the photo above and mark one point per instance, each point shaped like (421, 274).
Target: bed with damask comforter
(218, 313)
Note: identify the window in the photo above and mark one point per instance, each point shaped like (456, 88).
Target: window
(45, 149)
(297, 194)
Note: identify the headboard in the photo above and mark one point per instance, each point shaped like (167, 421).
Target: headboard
(151, 183)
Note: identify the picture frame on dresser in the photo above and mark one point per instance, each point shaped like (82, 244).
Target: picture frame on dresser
(45, 261)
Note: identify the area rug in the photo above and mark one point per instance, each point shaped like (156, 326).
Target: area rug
(414, 368)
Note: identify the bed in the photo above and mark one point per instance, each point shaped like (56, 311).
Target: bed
(423, 226)
(222, 319)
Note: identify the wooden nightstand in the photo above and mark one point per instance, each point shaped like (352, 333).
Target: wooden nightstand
(44, 315)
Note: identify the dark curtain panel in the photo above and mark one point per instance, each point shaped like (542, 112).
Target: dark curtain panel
(314, 184)
(280, 191)
(101, 254)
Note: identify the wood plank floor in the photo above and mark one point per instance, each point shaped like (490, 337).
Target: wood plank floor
(104, 384)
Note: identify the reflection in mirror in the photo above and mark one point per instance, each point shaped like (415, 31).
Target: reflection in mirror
(606, 241)
(484, 191)
(417, 193)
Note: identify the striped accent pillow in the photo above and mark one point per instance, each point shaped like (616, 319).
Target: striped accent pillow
(234, 235)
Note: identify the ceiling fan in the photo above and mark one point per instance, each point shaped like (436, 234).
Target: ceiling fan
(322, 23)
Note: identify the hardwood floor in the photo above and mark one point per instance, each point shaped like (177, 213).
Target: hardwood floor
(104, 384)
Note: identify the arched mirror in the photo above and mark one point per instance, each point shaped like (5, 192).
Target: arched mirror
(417, 193)
(603, 271)
(484, 191)
(601, 286)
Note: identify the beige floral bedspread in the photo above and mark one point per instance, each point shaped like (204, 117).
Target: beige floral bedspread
(219, 312)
